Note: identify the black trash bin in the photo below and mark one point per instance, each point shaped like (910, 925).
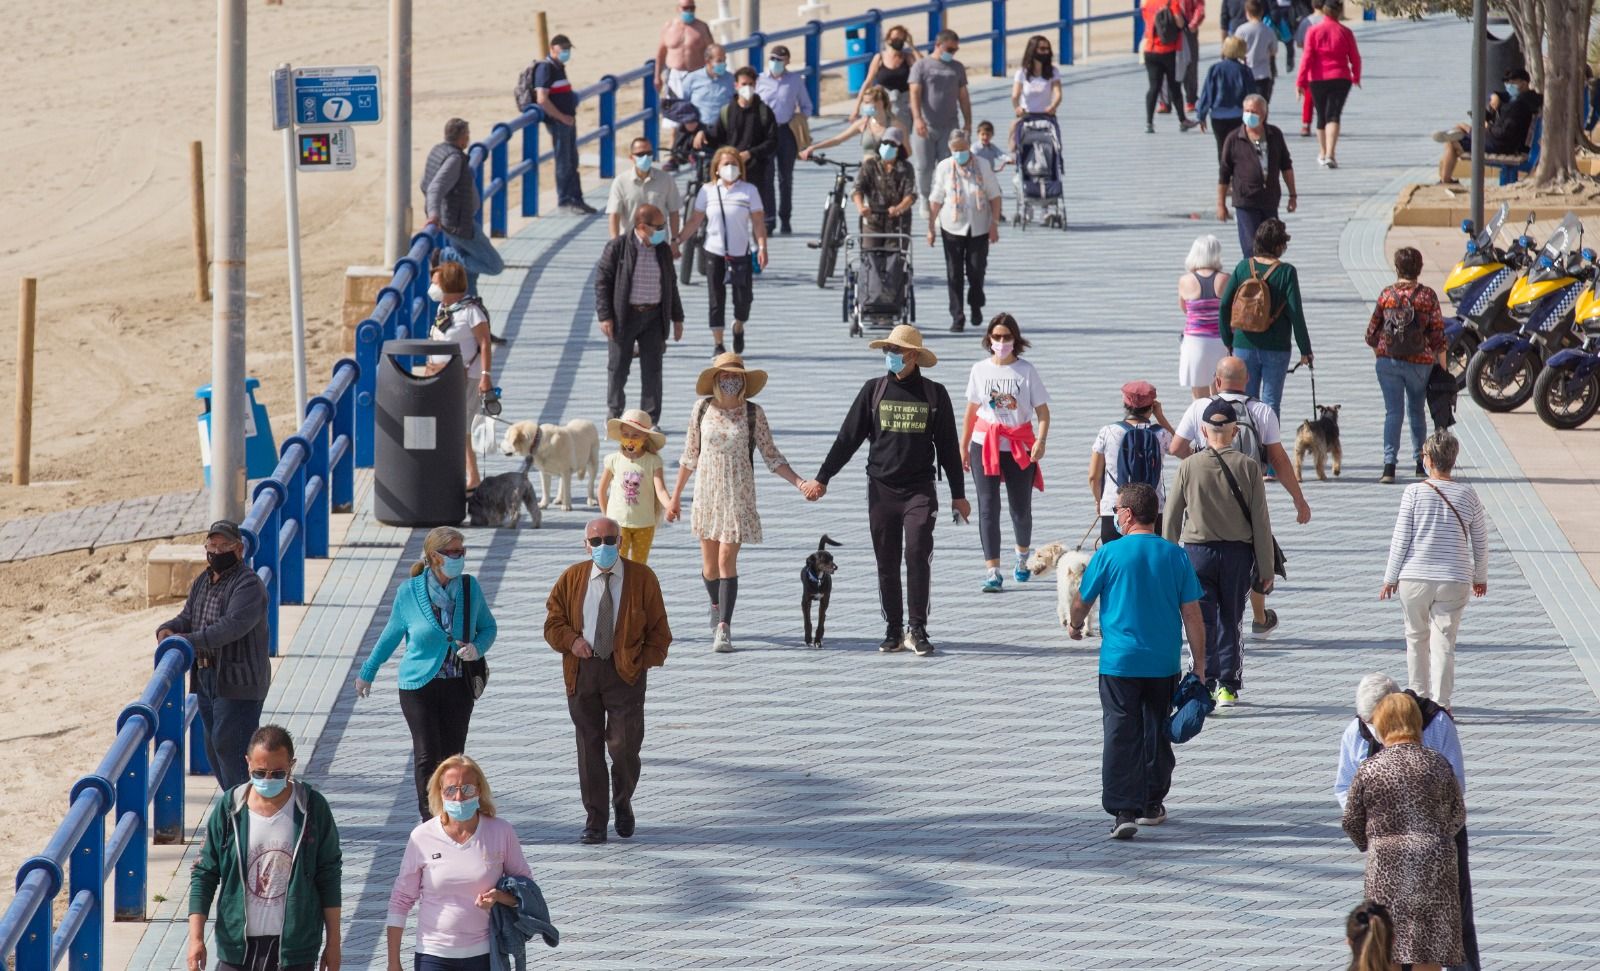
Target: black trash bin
(1501, 54)
(420, 464)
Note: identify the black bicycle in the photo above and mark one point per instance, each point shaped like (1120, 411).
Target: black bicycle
(694, 251)
(831, 241)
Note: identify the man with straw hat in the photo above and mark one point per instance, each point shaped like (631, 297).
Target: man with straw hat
(912, 427)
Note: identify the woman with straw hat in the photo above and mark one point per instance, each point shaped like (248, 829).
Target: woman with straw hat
(633, 488)
(725, 429)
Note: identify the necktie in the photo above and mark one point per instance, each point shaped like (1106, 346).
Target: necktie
(605, 621)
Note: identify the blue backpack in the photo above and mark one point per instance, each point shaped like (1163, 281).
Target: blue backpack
(1139, 455)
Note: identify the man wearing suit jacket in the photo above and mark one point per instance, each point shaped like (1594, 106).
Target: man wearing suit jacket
(606, 617)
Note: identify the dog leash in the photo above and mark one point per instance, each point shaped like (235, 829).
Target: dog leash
(1085, 539)
(1311, 370)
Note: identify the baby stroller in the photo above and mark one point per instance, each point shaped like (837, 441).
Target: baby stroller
(877, 281)
(1036, 144)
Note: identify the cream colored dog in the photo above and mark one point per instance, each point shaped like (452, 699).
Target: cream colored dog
(1070, 564)
(558, 451)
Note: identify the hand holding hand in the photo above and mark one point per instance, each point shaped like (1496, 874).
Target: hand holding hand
(363, 688)
(468, 652)
(963, 509)
(581, 649)
(1386, 591)
(674, 508)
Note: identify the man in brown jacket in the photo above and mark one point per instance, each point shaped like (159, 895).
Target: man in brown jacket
(606, 617)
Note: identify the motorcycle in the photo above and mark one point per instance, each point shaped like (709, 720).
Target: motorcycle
(1478, 285)
(1501, 374)
(1567, 393)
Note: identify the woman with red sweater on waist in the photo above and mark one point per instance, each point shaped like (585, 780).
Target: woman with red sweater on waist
(1330, 65)
(1164, 23)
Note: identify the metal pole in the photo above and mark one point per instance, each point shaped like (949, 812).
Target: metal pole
(1480, 100)
(228, 309)
(397, 221)
(297, 306)
(26, 304)
(751, 17)
(197, 203)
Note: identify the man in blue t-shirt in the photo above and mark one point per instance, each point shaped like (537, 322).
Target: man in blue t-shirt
(1149, 598)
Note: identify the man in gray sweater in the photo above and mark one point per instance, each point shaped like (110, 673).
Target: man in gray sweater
(225, 620)
(1217, 508)
(451, 202)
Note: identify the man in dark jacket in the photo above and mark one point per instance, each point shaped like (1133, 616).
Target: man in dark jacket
(1254, 158)
(747, 124)
(225, 619)
(1507, 123)
(912, 427)
(451, 202)
(636, 299)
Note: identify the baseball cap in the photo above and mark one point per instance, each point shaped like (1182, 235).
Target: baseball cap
(225, 528)
(778, 50)
(560, 40)
(1138, 394)
(893, 135)
(1219, 412)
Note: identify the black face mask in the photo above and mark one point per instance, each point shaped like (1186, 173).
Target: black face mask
(1043, 60)
(897, 44)
(222, 562)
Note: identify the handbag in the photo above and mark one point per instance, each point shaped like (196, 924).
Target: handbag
(1280, 563)
(477, 672)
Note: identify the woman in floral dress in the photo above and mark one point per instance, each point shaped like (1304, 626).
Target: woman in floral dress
(725, 430)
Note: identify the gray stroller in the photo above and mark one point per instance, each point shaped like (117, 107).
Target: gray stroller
(1036, 145)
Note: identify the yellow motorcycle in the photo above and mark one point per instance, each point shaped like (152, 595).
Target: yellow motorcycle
(1479, 285)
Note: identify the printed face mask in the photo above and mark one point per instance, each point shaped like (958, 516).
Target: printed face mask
(1002, 348)
(730, 385)
(887, 152)
(435, 293)
(961, 157)
(1252, 119)
(894, 361)
(605, 555)
(729, 172)
(462, 810)
(632, 444)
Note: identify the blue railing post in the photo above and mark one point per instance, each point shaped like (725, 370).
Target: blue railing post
(874, 38)
(652, 107)
(317, 470)
(262, 544)
(477, 179)
(1138, 26)
(343, 478)
(133, 796)
(1369, 12)
(758, 51)
(293, 557)
(530, 179)
(935, 21)
(199, 761)
(608, 131)
(33, 951)
(86, 950)
(168, 810)
(814, 65)
(498, 164)
(369, 338)
(1064, 42)
(997, 42)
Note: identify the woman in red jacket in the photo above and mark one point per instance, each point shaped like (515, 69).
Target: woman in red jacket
(1330, 65)
(1164, 24)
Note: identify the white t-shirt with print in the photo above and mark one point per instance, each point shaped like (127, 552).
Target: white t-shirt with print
(1109, 443)
(1006, 394)
(1261, 415)
(463, 318)
(731, 207)
(266, 871)
(1035, 91)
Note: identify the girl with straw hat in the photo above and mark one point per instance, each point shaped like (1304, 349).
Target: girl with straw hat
(633, 487)
(725, 430)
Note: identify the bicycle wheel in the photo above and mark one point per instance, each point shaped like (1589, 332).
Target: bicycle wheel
(686, 262)
(832, 239)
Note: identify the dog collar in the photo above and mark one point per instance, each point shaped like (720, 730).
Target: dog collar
(814, 578)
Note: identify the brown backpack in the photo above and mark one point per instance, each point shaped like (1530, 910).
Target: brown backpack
(1252, 303)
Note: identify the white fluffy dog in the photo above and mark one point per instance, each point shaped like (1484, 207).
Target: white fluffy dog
(558, 451)
(1070, 564)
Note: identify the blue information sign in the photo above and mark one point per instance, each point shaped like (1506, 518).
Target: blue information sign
(336, 95)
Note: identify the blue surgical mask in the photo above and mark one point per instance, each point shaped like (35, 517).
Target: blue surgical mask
(946, 56)
(962, 157)
(1512, 92)
(605, 555)
(687, 16)
(1116, 520)
(894, 361)
(1251, 119)
(452, 567)
(658, 237)
(776, 67)
(887, 151)
(565, 55)
(643, 162)
(867, 111)
(719, 69)
(461, 810)
(269, 788)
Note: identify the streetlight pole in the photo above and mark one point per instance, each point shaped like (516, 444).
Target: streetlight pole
(1480, 101)
(228, 308)
(397, 222)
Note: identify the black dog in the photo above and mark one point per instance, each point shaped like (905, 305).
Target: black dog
(816, 584)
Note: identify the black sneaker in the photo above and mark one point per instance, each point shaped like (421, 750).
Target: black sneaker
(1421, 472)
(917, 640)
(1267, 628)
(1124, 827)
(1150, 816)
(718, 351)
(892, 638)
(1388, 473)
(738, 342)
(784, 228)
(958, 325)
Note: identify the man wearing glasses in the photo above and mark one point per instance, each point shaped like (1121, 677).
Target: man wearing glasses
(636, 299)
(606, 617)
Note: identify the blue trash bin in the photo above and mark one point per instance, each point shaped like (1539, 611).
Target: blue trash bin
(260, 451)
(855, 44)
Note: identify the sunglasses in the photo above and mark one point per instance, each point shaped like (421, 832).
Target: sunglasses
(653, 227)
(269, 774)
(599, 541)
(460, 792)
(454, 554)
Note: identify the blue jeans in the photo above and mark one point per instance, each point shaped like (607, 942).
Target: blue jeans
(564, 142)
(1249, 220)
(1405, 386)
(1268, 370)
(229, 723)
(478, 255)
(1225, 570)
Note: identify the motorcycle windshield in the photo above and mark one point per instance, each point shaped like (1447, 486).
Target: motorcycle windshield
(1487, 236)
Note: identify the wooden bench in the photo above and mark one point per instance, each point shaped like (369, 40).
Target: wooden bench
(1512, 167)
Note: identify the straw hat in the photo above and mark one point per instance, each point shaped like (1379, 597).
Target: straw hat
(908, 337)
(732, 363)
(639, 423)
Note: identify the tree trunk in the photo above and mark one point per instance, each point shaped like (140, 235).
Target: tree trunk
(1566, 35)
(1527, 21)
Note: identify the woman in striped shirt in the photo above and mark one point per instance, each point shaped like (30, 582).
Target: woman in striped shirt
(1439, 552)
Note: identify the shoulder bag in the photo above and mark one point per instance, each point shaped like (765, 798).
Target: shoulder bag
(1280, 563)
(476, 672)
(1459, 521)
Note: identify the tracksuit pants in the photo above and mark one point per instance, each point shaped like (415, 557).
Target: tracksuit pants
(901, 521)
(1136, 759)
(1225, 569)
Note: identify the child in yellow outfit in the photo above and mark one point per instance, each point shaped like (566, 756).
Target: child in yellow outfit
(633, 487)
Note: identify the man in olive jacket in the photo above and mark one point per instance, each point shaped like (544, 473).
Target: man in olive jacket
(636, 299)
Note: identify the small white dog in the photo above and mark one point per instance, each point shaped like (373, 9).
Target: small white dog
(1069, 564)
(558, 451)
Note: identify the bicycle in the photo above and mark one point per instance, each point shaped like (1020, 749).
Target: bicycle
(831, 240)
(694, 252)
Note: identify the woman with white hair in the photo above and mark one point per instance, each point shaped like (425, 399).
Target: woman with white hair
(1438, 554)
(1198, 298)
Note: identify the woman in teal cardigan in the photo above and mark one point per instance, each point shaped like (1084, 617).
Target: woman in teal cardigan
(431, 615)
(1267, 354)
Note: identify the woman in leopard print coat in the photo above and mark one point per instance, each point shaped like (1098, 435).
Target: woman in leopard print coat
(1404, 810)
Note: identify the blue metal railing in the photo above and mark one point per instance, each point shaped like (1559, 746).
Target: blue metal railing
(403, 309)
(140, 780)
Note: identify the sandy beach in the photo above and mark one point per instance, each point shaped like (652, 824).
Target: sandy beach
(106, 99)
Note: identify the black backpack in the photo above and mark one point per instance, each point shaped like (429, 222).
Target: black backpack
(929, 395)
(1139, 456)
(1168, 27)
(1404, 333)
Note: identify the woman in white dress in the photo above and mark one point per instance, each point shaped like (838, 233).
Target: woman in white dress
(1199, 299)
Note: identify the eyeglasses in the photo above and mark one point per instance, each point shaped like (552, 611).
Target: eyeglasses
(460, 792)
(599, 541)
(454, 554)
(653, 227)
(269, 773)
(644, 154)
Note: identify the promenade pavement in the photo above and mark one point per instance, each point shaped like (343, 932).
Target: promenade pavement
(839, 809)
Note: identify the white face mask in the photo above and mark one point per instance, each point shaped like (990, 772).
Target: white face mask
(729, 172)
(435, 293)
(747, 91)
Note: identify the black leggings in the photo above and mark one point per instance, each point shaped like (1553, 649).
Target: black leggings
(438, 714)
(1220, 127)
(1327, 99)
(1019, 499)
(1158, 67)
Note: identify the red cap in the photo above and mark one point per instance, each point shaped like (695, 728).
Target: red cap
(1138, 394)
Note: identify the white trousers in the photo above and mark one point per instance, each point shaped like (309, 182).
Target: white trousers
(1433, 619)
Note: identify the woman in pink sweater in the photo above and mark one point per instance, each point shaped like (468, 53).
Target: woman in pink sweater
(1330, 65)
(449, 872)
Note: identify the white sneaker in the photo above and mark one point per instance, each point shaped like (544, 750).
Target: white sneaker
(1322, 160)
(722, 641)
